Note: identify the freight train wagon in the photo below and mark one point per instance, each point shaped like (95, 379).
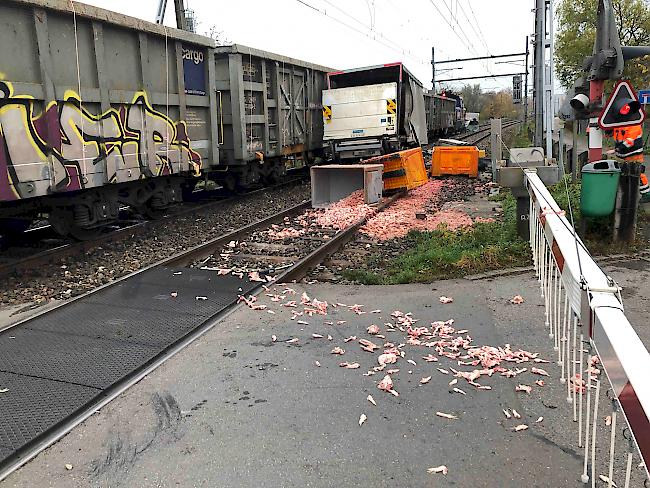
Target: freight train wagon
(373, 111)
(99, 109)
(441, 115)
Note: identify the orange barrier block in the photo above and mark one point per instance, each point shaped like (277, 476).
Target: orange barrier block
(455, 160)
(403, 170)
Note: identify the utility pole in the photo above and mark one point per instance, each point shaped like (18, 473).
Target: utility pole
(549, 112)
(179, 6)
(433, 69)
(538, 86)
(526, 84)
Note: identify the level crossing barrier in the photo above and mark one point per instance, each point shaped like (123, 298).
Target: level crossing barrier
(597, 347)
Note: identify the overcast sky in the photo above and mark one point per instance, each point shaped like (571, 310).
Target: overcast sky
(352, 33)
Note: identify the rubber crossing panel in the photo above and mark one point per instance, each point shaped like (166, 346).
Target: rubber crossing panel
(56, 363)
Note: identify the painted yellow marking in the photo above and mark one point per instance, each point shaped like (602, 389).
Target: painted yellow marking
(327, 112)
(391, 106)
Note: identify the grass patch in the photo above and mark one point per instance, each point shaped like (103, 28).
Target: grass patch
(443, 254)
(447, 254)
(522, 138)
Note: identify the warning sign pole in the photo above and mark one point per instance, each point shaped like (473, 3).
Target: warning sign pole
(596, 89)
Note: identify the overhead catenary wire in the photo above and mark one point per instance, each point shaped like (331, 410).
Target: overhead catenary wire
(399, 48)
(443, 17)
(372, 29)
(455, 17)
(478, 25)
(460, 27)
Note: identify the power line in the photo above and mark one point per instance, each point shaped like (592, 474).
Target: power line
(471, 45)
(451, 13)
(371, 29)
(480, 35)
(396, 47)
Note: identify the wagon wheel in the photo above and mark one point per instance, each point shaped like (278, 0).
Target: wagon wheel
(153, 208)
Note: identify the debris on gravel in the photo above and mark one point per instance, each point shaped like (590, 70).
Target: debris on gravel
(74, 275)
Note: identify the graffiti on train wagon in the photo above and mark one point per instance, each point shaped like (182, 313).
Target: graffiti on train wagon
(65, 147)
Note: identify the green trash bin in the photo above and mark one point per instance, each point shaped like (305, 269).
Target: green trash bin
(599, 186)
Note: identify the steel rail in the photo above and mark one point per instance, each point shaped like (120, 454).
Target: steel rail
(306, 264)
(487, 132)
(297, 271)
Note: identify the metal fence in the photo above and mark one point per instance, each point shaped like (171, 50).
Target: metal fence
(603, 362)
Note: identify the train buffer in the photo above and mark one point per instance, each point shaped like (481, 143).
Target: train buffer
(377, 385)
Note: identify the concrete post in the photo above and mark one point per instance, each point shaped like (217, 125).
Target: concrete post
(495, 145)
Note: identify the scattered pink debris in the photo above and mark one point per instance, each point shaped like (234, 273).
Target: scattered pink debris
(446, 415)
(538, 371)
(386, 383)
(338, 350)
(446, 299)
(367, 345)
(343, 213)
(524, 388)
(397, 220)
(350, 365)
(255, 276)
(438, 469)
(373, 329)
(517, 299)
(387, 358)
(277, 234)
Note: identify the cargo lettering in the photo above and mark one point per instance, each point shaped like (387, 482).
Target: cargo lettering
(193, 55)
(67, 148)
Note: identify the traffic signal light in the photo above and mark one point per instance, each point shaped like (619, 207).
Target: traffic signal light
(576, 105)
(622, 109)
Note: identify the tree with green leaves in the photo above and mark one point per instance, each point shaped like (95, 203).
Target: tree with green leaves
(498, 105)
(473, 97)
(577, 31)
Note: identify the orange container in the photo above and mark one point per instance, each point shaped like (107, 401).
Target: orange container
(455, 160)
(403, 170)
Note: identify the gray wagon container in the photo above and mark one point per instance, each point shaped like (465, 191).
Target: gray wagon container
(118, 67)
(441, 114)
(270, 112)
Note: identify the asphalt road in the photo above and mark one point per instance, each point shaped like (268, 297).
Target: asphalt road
(236, 409)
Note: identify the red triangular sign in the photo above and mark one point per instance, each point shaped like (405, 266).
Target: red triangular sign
(622, 109)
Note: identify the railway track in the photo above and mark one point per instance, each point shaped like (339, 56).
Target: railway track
(41, 246)
(484, 133)
(95, 346)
